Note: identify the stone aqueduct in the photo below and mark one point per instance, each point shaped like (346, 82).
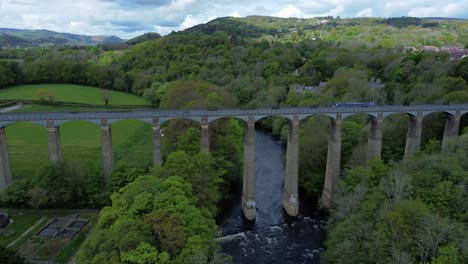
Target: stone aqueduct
(416, 113)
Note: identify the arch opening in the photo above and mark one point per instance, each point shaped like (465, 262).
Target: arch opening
(27, 148)
(313, 147)
(433, 127)
(132, 143)
(395, 129)
(354, 144)
(173, 130)
(80, 141)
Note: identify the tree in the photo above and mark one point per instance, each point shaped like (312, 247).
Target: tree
(46, 97)
(397, 186)
(433, 231)
(106, 97)
(446, 255)
(155, 215)
(200, 171)
(144, 254)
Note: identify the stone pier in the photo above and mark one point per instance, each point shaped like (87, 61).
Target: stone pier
(5, 169)
(374, 145)
(291, 192)
(248, 182)
(332, 172)
(413, 137)
(205, 135)
(107, 155)
(452, 127)
(55, 146)
(157, 158)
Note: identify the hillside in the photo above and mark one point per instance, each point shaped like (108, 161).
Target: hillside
(33, 38)
(403, 31)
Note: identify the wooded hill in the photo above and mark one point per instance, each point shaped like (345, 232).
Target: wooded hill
(12, 38)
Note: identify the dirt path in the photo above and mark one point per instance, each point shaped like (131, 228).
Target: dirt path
(11, 108)
(27, 231)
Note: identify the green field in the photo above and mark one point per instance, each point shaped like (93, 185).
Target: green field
(81, 140)
(70, 93)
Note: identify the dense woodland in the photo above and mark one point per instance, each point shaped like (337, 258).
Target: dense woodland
(389, 210)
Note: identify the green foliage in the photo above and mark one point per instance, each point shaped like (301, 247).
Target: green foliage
(447, 255)
(122, 175)
(195, 94)
(199, 169)
(412, 212)
(59, 185)
(189, 142)
(10, 257)
(160, 221)
(403, 21)
(457, 97)
(369, 176)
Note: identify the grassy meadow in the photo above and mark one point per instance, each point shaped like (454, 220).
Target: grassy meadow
(81, 140)
(70, 93)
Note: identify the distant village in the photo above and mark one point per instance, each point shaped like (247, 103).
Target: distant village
(455, 51)
(300, 89)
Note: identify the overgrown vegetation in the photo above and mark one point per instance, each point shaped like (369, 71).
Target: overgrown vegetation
(409, 212)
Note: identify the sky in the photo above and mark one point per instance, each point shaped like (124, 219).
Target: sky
(130, 18)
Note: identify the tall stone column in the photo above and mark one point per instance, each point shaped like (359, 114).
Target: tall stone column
(291, 192)
(205, 135)
(248, 182)
(157, 158)
(5, 169)
(413, 137)
(332, 172)
(55, 147)
(374, 145)
(452, 127)
(107, 155)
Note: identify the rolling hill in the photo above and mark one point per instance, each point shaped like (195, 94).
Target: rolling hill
(10, 37)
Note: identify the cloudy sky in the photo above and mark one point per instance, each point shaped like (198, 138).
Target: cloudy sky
(129, 18)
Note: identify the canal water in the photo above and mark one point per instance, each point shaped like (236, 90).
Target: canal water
(273, 237)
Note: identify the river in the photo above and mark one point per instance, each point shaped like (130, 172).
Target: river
(273, 237)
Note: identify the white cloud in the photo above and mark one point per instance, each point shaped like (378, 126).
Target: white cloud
(177, 5)
(290, 11)
(128, 18)
(189, 21)
(365, 13)
(458, 9)
(235, 14)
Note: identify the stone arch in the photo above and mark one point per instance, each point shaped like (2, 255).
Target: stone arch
(96, 122)
(163, 120)
(446, 112)
(212, 119)
(304, 117)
